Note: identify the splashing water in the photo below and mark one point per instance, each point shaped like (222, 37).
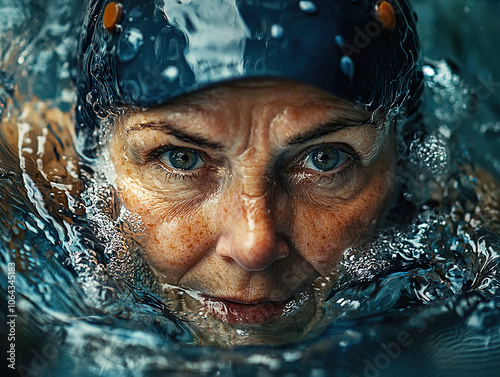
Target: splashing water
(89, 304)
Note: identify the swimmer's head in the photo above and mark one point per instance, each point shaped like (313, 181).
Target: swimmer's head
(146, 53)
(253, 143)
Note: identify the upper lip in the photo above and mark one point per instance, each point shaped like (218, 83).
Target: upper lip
(245, 302)
(255, 300)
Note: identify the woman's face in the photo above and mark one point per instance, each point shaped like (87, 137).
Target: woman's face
(250, 192)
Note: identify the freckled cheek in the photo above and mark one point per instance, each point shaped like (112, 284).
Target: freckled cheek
(323, 234)
(172, 245)
(173, 249)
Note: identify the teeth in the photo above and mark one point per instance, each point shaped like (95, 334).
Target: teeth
(216, 307)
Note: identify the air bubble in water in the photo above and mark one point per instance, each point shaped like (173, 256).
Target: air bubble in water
(431, 154)
(339, 40)
(308, 7)
(277, 31)
(445, 131)
(490, 129)
(347, 66)
(171, 73)
(428, 71)
(129, 45)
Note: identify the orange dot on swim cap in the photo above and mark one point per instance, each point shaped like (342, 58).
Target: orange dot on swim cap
(386, 15)
(112, 15)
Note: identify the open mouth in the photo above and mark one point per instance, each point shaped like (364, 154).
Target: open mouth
(247, 313)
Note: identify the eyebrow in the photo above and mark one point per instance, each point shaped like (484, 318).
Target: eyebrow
(201, 141)
(330, 127)
(194, 139)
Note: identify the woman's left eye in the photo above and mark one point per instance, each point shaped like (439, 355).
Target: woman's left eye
(325, 159)
(182, 159)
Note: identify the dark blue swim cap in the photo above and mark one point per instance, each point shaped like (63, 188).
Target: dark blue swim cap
(145, 53)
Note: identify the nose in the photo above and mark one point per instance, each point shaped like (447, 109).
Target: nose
(251, 238)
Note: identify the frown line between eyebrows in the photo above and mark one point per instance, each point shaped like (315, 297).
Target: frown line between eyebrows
(182, 135)
(328, 128)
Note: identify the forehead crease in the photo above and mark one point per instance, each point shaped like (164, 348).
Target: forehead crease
(313, 119)
(200, 100)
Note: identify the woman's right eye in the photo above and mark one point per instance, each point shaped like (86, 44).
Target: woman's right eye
(326, 159)
(180, 158)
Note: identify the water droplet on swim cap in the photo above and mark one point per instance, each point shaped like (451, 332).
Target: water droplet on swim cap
(170, 73)
(277, 31)
(347, 66)
(386, 15)
(129, 45)
(308, 7)
(112, 15)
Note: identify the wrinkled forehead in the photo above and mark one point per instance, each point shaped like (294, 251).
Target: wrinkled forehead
(287, 111)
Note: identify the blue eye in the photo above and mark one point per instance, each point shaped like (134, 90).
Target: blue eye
(182, 159)
(325, 159)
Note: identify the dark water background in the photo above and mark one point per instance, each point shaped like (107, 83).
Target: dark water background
(466, 33)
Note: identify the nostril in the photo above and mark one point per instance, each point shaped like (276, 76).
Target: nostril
(282, 248)
(223, 247)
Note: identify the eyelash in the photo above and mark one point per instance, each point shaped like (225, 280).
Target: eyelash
(338, 175)
(153, 158)
(171, 175)
(354, 157)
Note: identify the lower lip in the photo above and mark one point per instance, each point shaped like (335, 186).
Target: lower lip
(233, 312)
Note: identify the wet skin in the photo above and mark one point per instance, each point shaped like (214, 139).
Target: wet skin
(251, 191)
